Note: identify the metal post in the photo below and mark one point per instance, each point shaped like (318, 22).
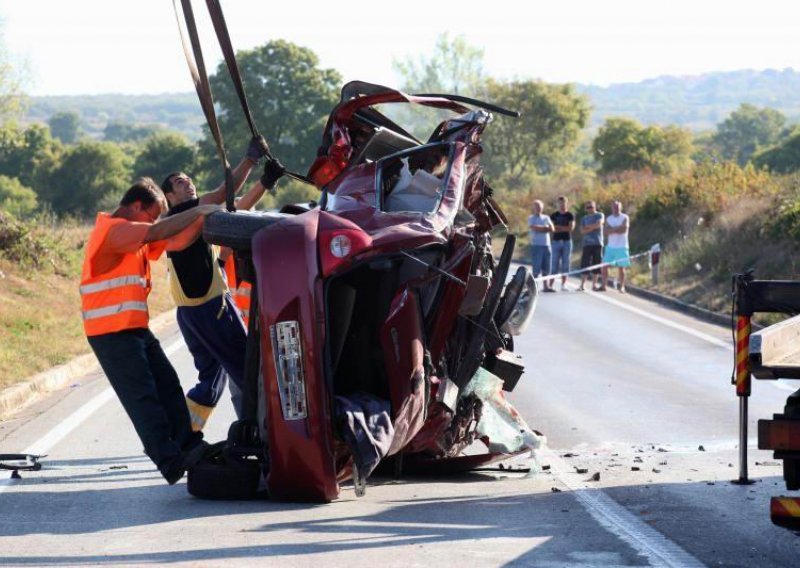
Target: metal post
(655, 258)
(743, 391)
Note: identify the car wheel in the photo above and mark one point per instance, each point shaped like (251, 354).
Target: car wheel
(225, 479)
(235, 229)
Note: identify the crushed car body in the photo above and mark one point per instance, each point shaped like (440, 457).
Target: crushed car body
(382, 324)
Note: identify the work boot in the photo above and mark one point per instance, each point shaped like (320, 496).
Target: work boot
(199, 414)
(186, 460)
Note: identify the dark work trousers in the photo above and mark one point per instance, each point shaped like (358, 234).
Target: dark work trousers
(150, 392)
(215, 335)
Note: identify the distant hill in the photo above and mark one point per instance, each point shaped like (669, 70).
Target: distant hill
(698, 102)
(175, 111)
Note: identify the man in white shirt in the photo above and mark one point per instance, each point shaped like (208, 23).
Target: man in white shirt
(617, 252)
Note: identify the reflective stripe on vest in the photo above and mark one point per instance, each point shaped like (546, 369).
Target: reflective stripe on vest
(115, 309)
(113, 283)
(114, 299)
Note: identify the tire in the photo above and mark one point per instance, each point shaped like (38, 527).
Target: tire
(235, 229)
(225, 479)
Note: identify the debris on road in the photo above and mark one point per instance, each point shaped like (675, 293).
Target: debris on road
(581, 470)
(635, 468)
(701, 449)
(555, 490)
(595, 477)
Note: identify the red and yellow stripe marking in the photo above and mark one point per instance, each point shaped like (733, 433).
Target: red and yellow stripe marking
(785, 512)
(743, 356)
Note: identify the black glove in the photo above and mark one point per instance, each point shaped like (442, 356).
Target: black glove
(257, 149)
(273, 171)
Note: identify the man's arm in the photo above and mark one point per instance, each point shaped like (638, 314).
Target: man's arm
(129, 237)
(273, 171)
(255, 151)
(240, 173)
(249, 199)
(174, 224)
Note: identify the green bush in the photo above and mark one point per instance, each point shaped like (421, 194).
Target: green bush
(15, 198)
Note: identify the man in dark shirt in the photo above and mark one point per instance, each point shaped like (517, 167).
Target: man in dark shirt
(209, 320)
(563, 223)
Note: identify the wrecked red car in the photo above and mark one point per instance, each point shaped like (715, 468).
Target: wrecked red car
(382, 321)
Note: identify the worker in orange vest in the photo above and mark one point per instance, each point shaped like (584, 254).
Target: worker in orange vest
(240, 289)
(115, 284)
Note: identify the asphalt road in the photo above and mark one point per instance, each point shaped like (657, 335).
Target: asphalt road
(614, 382)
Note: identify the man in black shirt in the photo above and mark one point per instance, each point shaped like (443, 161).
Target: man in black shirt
(563, 223)
(209, 321)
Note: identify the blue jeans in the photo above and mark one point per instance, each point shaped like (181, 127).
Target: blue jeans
(562, 250)
(541, 260)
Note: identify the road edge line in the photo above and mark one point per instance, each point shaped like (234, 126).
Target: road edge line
(644, 539)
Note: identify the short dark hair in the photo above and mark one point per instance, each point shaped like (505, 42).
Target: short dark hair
(145, 191)
(166, 185)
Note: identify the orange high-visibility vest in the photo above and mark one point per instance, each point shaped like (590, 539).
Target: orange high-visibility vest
(114, 300)
(240, 293)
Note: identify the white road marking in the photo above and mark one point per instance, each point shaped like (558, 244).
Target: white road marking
(658, 549)
(66, 426)
(780, 384)
(664, 321)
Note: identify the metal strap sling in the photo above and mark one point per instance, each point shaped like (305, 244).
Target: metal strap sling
(197, 69)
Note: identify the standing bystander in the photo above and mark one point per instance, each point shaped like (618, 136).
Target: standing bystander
(592, 247)
(563, 224)
(617, 251)
(541, 226)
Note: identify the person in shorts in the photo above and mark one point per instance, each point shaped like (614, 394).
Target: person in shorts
(591, 226)
(617, 251)
(540, 226)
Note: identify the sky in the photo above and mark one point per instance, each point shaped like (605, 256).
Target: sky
(69, 47)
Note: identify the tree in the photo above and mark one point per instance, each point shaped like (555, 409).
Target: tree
(116, 131)
(30, 154)
(15, 198)
(746, 130)
(91, 176)
(12, 99)
(623, 144)
(783, 157)
(552, 117)
(163, 153)
(454, 67)
(64, 126)
(290, 97)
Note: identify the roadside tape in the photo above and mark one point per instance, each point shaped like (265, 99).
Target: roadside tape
(592, 267)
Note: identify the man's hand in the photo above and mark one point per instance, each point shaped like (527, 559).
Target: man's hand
(257, 149)
(273, 171)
